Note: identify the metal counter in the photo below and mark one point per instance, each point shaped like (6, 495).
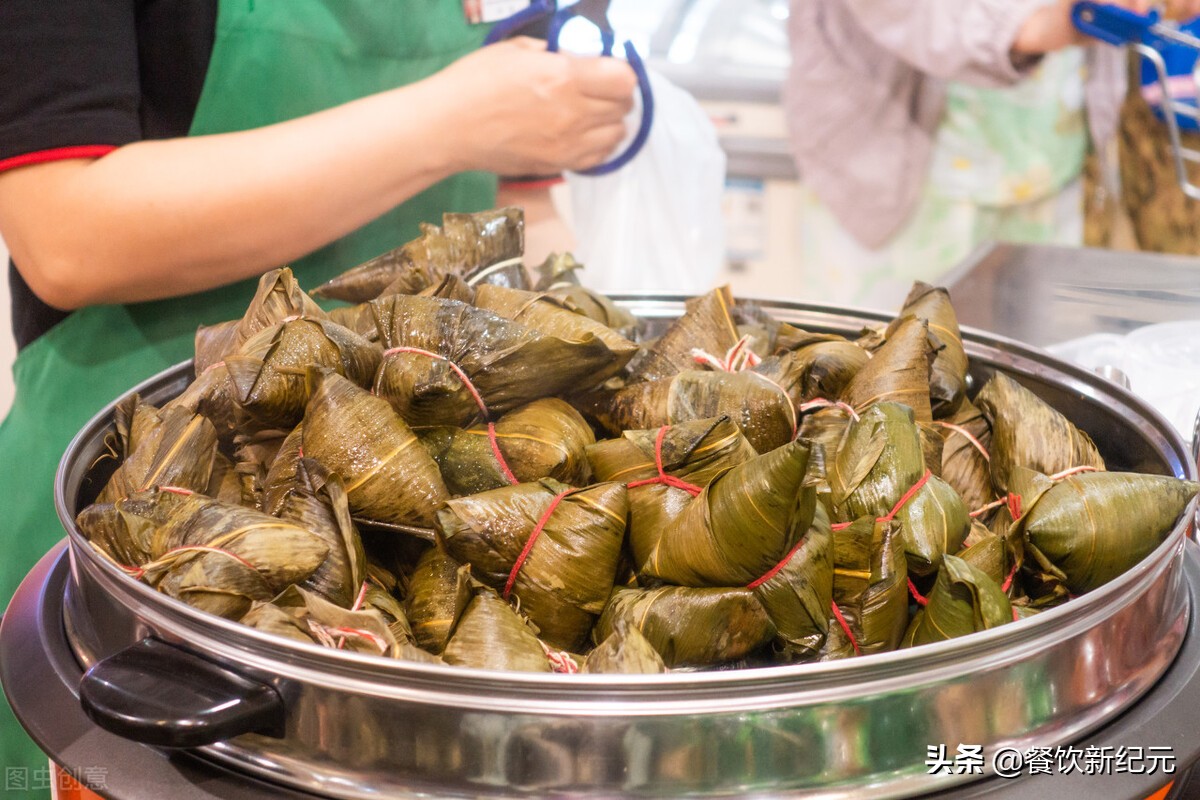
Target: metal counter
(1043, 294)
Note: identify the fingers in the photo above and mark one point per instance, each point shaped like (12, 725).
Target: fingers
(1183, 9)
(604, 78)
(1136, 6)
(601, 112)
(524, 43)
(597, 145)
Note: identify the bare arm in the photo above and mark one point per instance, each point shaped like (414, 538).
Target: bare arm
(967, 40)
(979, 41)
(162, 218)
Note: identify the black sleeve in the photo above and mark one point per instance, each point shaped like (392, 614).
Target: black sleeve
(68, 74)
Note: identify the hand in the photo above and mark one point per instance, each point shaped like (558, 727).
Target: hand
(526, 111)
(1050, 27)
(1182, 9)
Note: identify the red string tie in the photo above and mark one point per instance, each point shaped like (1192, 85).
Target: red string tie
(1066, 473)
(483, 409)
(358, 603)
(140, 572)
(837, 613)
(909, 495)
(1013, 501)
(179, 490)
(533, 536)
(1012, 573)
(663, 477)
(984, 509)
(324, 634)
(508, 473)
(916, 595)
(740, 358)
(773, 571)
(970, 437)
(820, 402)
(736, 359)
(560, 662)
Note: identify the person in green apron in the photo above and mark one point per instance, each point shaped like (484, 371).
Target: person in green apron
(323, 133)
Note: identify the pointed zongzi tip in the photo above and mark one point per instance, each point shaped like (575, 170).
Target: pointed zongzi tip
(277, 275)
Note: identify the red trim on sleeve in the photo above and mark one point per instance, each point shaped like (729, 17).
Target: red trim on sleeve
(56, 154)
(536, 183)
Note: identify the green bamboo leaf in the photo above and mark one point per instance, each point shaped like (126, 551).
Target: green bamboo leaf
(694, 452)
(741, 525)
(624, 651)
(948, 375)
(963, 600)
(879, 460)
(316, 501)
(507, 363)
(269, 370)
(1027, 432)
(798, 597)
(870, 589)
(707, 325)
(963, 465)
(172, 447)
(934, 522)
(543, 439)
(566, 577)
(1094, 526)
(278, 297)
(898, 372)
(438, 593)
(389, 476)
(690, 627)
(490, 635)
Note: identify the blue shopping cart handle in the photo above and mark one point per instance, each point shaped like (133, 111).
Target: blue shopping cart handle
(1113, 24)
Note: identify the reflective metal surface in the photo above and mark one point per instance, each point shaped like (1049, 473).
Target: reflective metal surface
(360, 727)
(40, 673)
(1046, 294)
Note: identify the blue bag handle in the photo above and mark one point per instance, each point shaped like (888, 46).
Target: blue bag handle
(1113, 24)
(539, 9)
(508, 26)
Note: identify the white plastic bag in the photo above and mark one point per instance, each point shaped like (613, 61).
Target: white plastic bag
(656, 224)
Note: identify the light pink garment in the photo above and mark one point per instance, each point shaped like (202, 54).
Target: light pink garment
(866, 90)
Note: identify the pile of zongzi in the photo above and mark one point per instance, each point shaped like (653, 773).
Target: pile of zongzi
(491, 466)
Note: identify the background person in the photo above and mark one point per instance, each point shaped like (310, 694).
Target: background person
(922, 128)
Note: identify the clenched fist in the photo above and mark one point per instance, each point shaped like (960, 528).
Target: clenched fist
(536, 112)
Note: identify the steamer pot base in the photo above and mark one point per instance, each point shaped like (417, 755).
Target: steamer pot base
(40, 673)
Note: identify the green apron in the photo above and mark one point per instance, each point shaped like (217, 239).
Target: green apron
(272, 60)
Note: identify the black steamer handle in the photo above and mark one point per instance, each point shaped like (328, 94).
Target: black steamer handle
(161, 695)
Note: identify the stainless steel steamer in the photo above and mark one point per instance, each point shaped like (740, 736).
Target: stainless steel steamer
(345, 725)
